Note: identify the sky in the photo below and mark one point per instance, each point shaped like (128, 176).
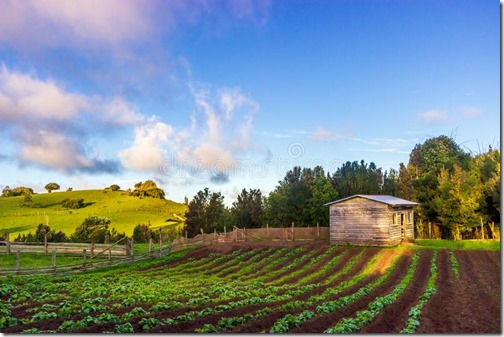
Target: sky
(232, 94)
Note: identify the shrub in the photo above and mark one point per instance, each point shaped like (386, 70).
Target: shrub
(73, 203)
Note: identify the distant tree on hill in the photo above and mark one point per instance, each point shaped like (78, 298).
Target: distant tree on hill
(114, 187)
(52, 187)
(16, 191)
(148, 189)
(70, 189)
(6, 191)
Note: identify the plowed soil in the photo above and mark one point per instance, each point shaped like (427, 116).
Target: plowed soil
(470, 303)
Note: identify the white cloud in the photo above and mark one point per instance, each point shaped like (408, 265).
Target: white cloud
(147, 152)
(52, 150)
(433, 116)
(120, 112)
(26, 97)
(232, 99)
(211, 144)
(323, 134)
(470, 112)
(76, 22)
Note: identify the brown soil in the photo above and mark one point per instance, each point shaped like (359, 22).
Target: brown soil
(392, 319)
(470, 304)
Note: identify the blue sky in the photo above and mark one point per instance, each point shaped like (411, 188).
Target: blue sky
(232, 94)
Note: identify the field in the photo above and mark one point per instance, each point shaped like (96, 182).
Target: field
(268, 287)
(124, 211)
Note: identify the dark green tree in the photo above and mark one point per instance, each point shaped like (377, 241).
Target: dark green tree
(52, 187)
(205, 212)
(247, 209)
(148, 189)
(92, 229)
(142, 233)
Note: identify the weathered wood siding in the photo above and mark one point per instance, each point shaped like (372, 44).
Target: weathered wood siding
(360, 221)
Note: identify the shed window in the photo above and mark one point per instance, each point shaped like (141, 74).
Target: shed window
(394, 218)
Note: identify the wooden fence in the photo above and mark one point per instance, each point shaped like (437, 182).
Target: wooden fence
(253, 234)
(115, 254)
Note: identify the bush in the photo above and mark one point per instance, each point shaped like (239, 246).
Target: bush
(114, 187)
(73, 203)
(142, 233)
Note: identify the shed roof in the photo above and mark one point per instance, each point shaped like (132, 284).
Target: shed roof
(386, 199)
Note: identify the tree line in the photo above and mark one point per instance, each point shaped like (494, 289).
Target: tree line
(457, 191)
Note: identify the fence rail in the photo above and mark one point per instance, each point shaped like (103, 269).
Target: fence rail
(125, 253)
(61, 247)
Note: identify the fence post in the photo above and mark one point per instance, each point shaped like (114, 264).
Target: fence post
(186, 236)
(128, 248)
(215, 234)
(18, 261)
(267, 231)
(53, 262)
(45, 244)
(482, 229)
(150, 247)
(293, 231)
(109, 254)
(160, 242)
(7, 240)
(84, 260)
(132, 249)
(92, 249)
(318, 230)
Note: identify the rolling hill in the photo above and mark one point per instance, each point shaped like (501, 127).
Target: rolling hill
(124, 211)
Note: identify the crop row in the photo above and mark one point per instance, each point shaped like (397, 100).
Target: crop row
(273, 282)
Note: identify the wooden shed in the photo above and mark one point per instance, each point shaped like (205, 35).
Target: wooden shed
(371, 220)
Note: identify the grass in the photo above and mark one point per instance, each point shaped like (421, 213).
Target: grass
(124, 211)
(493, 245)
(31, 260)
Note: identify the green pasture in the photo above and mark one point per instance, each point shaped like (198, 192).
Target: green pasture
(124, 211)
(459, 245)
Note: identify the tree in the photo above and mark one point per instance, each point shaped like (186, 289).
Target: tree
(42, 231)
(247, 209)
(322, 193)
(390, 180)
(92, 229)
(52, 187)
(487, 168)
(457, 201)
(142, 233)
(425, 164)
(357, 178)
(148, 189)
(114, 187)
(205, 212)
(6, 192)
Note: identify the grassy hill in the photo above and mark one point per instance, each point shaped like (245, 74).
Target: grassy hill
(124, 211)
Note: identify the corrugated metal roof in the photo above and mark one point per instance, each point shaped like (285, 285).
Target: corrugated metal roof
(386, 199)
